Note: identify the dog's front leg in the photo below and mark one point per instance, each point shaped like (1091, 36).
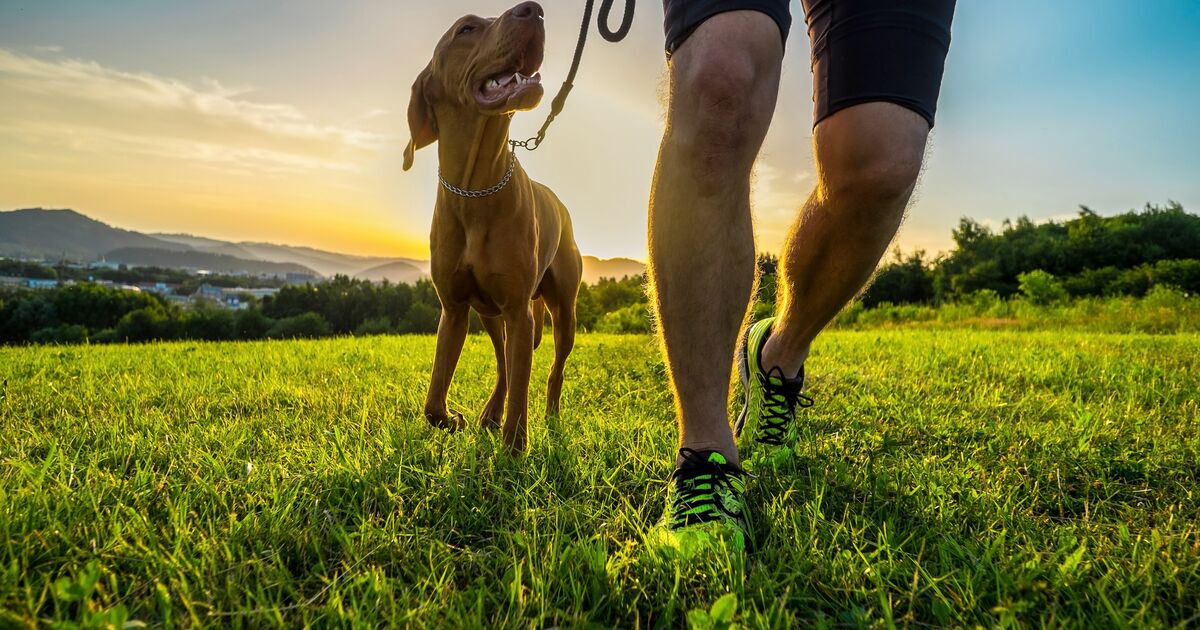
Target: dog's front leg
(518, 327)
(452, 331)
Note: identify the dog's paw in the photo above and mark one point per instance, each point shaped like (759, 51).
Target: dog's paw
(493, 415)
(452, 422)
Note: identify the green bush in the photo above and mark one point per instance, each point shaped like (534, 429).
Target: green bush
(1184, 274)
(303, 326)
(251, 324)
(1041, 288)
(108, 335)
(21, 317)
(635, 318)
(65, 334)
(145, 324)
(374, 326)
(420, 318)
(210, 324)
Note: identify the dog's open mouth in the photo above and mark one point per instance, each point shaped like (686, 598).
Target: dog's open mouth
(517, 83)
(502, 87)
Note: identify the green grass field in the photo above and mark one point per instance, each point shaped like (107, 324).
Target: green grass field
(945, 477)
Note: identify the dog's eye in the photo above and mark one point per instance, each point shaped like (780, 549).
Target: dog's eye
(467, 28)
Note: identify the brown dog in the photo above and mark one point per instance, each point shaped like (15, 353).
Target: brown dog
(501, 243)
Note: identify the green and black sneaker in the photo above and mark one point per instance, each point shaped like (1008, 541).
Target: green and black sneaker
(769, 414)
(705, 509)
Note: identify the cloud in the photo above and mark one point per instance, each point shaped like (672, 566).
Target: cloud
(105, 108)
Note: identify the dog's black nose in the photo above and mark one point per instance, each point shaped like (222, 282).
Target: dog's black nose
(528, 11)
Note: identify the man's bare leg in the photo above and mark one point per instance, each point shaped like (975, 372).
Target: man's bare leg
(868, 159)
(724, 82)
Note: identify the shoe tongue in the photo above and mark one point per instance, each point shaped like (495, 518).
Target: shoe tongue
(777, 378)
(717, 458)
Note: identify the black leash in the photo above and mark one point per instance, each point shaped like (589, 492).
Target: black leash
(560, 99)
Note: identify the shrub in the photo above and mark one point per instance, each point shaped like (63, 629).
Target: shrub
(634, 318)
(21, 317)
(108, 335)
(901, 281)
(1166, 297)
(145, 324)
(212, 324)
(251, 324)
(1040, 288)
(1184, 274)
(300, 326)
(374, 326)
(67, 333)
(420, 318)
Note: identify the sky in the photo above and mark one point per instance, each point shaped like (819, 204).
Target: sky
(284, 120)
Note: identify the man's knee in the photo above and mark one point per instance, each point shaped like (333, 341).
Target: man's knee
(881, 180)
(723, 95)
(871, 158)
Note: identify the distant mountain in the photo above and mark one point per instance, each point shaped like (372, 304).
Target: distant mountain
(209, 245)
(616, 268)
(323, 262)
(56, 234)
(200, 261)
(393, 272)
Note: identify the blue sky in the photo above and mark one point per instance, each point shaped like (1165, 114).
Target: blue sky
(283, 121)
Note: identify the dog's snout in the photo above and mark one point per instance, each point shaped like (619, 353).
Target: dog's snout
(528, 11)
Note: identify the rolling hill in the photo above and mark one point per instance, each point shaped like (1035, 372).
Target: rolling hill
(616, 268)
(56, 234)
(396, 271)
(206, 261)
(36, 233)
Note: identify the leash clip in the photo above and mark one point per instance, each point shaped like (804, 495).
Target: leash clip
(529, 145)
(560, 99)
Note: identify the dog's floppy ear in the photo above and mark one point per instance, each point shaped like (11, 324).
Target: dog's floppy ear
(421, 123)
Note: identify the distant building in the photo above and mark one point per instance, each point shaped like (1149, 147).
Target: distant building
(39, 283)
(236, 298)
(209, 292)
(299, 278)
(105, 264)
(161, 288)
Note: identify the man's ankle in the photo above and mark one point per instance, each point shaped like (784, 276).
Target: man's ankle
(776, 354)
(726, 449)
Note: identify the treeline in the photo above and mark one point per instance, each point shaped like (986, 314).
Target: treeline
(353, 306)
(1090, 255)
(187, 282)
(88, 312)
(1154, 253)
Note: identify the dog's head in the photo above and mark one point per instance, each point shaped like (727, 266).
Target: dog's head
(486, 66)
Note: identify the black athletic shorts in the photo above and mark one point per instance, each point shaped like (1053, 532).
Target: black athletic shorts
(862, 50)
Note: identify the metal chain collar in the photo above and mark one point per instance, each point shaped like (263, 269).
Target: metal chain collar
(486, 192)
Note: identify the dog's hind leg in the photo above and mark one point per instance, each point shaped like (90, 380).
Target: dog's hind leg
(493, 412)
(539, 321)
(518, 359)
(564, 341)
(452, 332)
(562, 314)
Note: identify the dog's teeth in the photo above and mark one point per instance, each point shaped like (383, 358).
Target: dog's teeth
(492, 84)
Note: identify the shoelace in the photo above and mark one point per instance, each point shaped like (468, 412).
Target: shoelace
(698, 484)
(779, 411)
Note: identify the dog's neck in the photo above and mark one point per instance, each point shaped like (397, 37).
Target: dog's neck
(473, 151)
